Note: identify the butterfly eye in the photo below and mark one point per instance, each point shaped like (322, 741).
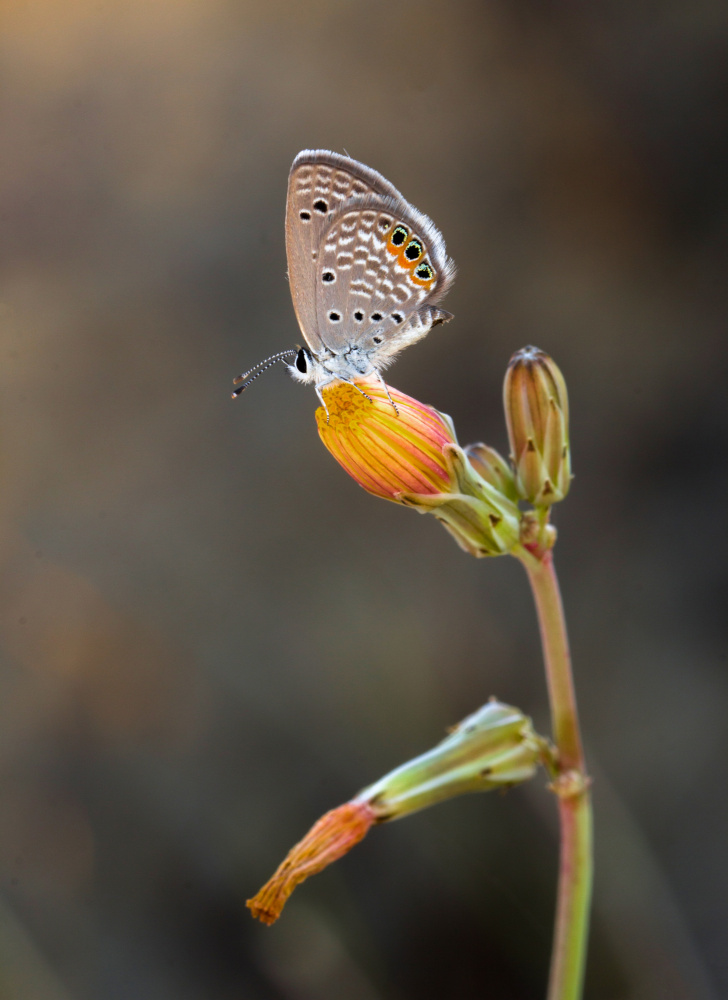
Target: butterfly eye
(399, 235)
(414, 250)
(301, 362)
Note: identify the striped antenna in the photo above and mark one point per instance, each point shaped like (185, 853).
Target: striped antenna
(258, 370)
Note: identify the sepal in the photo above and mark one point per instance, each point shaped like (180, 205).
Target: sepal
(481, 519)
(494, 747)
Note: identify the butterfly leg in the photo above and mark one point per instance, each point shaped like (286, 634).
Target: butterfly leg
(386, 389)
(320, 395)
(358, 389)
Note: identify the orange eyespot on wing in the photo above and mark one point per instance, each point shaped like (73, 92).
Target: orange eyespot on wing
(424, 275)
(412, 252)
(397, 239)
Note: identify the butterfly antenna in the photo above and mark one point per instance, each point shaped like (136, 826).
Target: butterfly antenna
(250, 376)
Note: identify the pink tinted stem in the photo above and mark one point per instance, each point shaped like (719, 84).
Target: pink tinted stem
(571, 785)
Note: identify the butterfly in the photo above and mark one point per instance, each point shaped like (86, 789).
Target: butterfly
(366, 271)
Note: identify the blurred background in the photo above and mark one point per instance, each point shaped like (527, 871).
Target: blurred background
(211, 635)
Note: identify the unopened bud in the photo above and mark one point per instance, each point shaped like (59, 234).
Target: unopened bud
(537, 414)
(493, 468)
(387, 441)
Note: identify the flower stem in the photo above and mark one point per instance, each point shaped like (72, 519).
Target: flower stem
(571, 786)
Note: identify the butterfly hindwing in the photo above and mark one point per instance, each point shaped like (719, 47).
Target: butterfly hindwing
(382, 267)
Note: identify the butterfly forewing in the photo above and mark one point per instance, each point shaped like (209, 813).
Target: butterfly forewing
(320, 182)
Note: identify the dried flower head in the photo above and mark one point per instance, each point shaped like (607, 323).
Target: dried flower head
(328, 840)
(494, 747)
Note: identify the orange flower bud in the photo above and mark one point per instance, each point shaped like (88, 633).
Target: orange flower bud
(386, 451)
(410, 455)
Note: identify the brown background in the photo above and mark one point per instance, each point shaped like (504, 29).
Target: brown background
(210, 635)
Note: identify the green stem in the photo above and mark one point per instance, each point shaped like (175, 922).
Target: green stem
(571, 786)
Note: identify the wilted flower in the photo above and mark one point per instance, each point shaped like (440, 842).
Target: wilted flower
(537, 414)
(328, 840)
(493, 748)
(408, 452)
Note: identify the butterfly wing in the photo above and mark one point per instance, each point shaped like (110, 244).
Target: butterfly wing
(382, 267)
(320, 182)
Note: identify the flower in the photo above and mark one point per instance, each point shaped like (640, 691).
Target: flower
(494, 747)
(537, 415)
(388, 451)
(408, 453)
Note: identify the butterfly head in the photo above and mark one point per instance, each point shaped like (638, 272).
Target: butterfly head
(305, 367)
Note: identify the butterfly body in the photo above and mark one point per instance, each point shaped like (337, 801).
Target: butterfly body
(366, 269)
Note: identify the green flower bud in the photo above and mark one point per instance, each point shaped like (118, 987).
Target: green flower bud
(537, 414)
(493, 468)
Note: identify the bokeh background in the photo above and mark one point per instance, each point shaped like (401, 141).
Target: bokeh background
(210, 635)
